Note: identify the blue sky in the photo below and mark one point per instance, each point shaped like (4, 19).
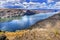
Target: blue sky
(47, 4)
(37, 1)
(42, 0)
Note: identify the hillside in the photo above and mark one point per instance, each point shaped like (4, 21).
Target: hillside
(48, 29)
(51, 21)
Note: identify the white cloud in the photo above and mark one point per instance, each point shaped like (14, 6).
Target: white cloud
(50, 6)
(49, 1)
(43, 5)
(57, 5)
(36, 5)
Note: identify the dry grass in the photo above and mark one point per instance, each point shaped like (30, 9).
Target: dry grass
(38, 34)
(35, 34)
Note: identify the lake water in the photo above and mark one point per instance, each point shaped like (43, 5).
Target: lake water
(24, 22)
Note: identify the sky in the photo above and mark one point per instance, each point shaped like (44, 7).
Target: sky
(43, 4)
(41, 1)
(37, 1)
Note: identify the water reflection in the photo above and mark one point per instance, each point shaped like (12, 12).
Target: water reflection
(24, 22)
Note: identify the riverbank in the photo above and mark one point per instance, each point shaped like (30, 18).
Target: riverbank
(48, 29)
(9, 19)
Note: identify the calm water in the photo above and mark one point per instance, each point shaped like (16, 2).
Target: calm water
(24, 22)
